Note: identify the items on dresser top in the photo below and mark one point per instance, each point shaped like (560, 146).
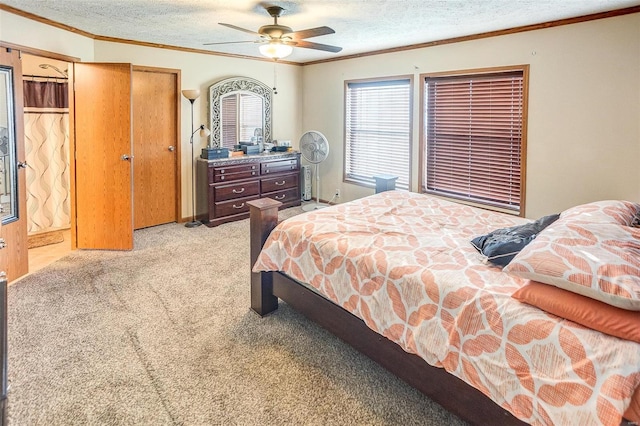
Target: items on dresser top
(251, 149)
(225, 185)
(214, 153)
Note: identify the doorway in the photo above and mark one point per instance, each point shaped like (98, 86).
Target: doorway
(48, 157)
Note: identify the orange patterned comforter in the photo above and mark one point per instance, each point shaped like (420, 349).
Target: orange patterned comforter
(402, 262)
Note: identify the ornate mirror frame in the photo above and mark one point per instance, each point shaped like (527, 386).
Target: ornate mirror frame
(8, 162)
(231, 85)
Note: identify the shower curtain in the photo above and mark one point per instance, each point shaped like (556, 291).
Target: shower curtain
(46, 130)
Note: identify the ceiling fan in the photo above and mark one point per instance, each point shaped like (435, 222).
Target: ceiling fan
(277, 41)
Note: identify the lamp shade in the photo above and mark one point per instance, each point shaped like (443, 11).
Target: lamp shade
(192, 94)
(204, 132)
(275, 50)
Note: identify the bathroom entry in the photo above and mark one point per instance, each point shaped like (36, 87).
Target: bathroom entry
(47, 153)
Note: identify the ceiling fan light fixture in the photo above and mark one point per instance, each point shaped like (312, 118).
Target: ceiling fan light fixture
(275, 50)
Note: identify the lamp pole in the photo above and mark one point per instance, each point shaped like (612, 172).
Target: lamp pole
(192, 95)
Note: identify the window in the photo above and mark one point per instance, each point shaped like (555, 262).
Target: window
(378, 130)
(473, 127)
(241, 119)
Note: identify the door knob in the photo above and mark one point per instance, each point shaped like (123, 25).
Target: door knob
(126, 157)
(3, 244)
(22, 164)
(172, 148)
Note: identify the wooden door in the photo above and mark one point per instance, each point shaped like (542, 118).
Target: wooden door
(155, 146)
(103, 150)
(14, 259)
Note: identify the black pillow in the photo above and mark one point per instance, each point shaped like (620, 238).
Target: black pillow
(501, 245)
(636, 220)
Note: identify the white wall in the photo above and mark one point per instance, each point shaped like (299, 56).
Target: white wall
(25, 32)
(584, 105)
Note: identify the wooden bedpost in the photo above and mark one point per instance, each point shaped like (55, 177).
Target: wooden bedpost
(263, 218)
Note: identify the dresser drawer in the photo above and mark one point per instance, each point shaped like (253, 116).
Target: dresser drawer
(227, 173)
(228, 208)
(236, 190)
(278, 183)
(284, 197)
(271, 167)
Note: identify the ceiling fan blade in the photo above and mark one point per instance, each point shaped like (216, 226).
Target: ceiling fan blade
(318, 46)
(239, 29)
(311, 32)
(230, 42)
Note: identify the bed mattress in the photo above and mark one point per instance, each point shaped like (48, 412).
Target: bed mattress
(403, 263)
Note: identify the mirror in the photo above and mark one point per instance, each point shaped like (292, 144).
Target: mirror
(8, 169)
(241, 118)
(239, 111)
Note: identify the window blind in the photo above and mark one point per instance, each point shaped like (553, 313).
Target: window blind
(250, 116)
(229, 108)
(474, 138)
(378, 131)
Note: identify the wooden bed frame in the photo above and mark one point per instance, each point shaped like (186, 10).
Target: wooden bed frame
(267, 287)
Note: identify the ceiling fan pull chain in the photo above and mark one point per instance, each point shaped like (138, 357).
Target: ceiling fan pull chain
(275, 78)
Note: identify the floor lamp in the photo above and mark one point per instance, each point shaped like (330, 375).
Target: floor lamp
(192, 95)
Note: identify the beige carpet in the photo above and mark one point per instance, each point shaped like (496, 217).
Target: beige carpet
(163, 335)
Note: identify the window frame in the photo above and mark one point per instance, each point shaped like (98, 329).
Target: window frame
(371, 183)
(422, 157)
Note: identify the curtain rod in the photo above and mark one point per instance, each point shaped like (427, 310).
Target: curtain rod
(44, 76)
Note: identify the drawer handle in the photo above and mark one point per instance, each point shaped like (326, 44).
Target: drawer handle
(267, 171)
(238, 207)
(280, 183)
(280, 197)
(222, 171)
(221, 177)
(238, 192)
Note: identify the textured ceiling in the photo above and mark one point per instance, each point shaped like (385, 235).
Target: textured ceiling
(360, 25)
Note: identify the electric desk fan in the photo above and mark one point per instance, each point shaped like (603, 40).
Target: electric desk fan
(314, 149)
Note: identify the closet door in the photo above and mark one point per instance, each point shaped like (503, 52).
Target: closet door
(103, 156)
(155, 146)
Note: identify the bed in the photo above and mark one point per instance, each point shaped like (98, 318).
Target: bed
(396, 277)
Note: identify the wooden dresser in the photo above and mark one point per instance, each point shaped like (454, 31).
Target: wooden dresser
(225, 185)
